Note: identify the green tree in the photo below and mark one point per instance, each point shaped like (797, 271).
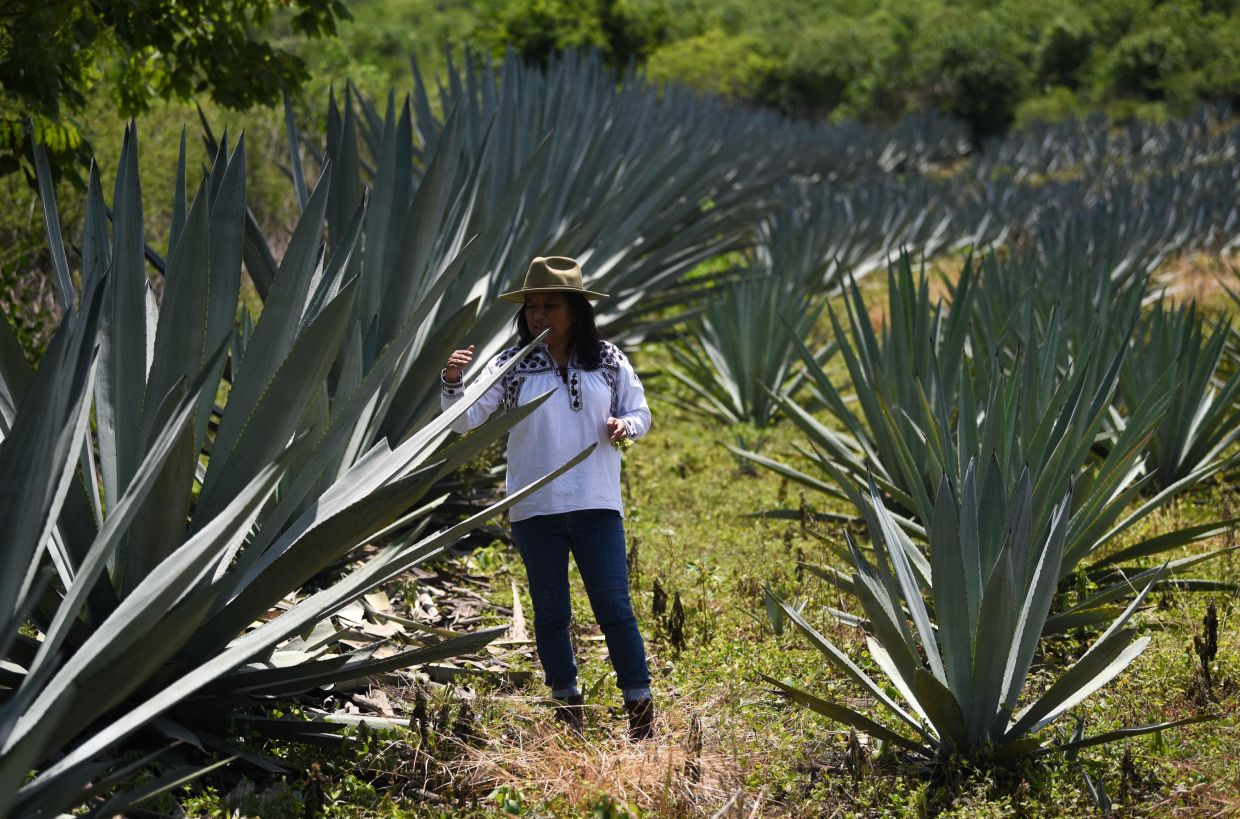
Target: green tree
(54, 52)
(626, 31)
(976, 69)
(732, 66)
(826, 64)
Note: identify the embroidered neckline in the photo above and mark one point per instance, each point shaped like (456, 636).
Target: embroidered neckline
(539, 360)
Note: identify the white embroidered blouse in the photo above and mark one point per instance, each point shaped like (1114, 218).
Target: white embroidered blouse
(569, 421)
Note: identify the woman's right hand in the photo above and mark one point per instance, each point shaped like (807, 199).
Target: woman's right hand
(457, 362)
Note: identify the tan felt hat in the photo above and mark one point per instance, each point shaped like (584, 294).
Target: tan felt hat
(552, 274)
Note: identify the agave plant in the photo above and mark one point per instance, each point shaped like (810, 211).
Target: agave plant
(884, 368)
(927, 408)
(1060, 288)
(1203, 415)
(961, 659)
(739, 352)
(640, 186)
(524, 161)
(156, 543)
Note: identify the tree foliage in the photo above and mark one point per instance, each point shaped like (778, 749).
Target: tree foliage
(991, 63)
(54, 52)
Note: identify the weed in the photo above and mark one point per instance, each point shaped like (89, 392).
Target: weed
(1205, 646)
(674, 625)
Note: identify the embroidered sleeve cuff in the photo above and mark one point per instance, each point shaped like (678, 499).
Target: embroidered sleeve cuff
(450, 389)
(630, 429)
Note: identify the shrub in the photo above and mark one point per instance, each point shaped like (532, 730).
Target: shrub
(736, 67)
(975, 69)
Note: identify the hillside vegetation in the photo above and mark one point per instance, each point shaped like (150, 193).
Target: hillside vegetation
(991, 64)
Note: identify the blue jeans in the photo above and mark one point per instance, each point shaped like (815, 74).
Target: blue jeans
(596, 539)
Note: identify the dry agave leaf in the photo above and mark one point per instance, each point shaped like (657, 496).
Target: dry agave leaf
(377, 701)
(384, 629)
(352, 614)
(378, 600)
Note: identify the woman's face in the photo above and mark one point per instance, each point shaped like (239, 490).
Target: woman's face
(549, 311)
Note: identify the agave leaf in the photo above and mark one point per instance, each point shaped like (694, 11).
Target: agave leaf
(304, 676)
(123, 513)
(179, 351)
(15, 378)
(786, 471)
(342, 150)
(843, 449)
(1061, 623)
(131, 664)
(904, 681)
(1158, 500)
(910, 472)
(908, 584)
(1124, 585)
(51, 223)
(96, 244)
(940, 703)
(392, 186)
(1085, 677)
(177, 223)
(17, 762)
(881, 601)
(1036, 606)
(290, 566)
(322, 732)
(841, 661)
(348, 415)
(847, 716)
(994, 628)
(333, 276)
(123, 334)
(265, 637)
(956, 626)
(278, 325)
(35, 463)
(970, 551)
(294, 154)
(262, 429)
(1124, 733)
(151, 599)
(832, 575)
(171, 780)
(1165, 542)
(227, 243)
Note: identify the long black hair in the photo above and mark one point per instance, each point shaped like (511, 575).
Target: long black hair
(583, 337)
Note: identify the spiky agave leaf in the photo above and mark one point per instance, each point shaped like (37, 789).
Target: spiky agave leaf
(176, 588)
(1203, 417)
(988, 636)
(933, 393)
(739, 352)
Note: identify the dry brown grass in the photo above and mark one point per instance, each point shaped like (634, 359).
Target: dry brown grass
(682, 771)
(1200, 277)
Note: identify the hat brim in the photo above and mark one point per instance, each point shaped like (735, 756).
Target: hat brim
(518, 296)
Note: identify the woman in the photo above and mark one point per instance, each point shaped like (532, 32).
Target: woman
(598, 399)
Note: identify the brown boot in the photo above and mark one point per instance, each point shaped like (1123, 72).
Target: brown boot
(641, 719)
(569, 711)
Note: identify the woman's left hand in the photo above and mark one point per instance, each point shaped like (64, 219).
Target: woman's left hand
(617, 430)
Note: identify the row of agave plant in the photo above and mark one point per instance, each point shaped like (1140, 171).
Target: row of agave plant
(1125, 199)
(820, 234)
(173, 479)
(182, 481)
(1000, 444)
